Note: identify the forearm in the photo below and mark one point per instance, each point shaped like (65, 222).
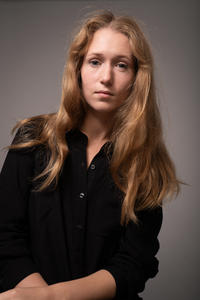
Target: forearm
(33, 280)
(97, 286)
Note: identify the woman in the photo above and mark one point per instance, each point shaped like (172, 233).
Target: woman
(82, 189)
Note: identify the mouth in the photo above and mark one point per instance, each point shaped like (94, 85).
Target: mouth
(104, 92)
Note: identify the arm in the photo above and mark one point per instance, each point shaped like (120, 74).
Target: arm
(124, 276)
(15, 258)
(99, 286)
(128, 270)
(134, 262)
(33, 280)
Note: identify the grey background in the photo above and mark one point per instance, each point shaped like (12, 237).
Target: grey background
(34, 36)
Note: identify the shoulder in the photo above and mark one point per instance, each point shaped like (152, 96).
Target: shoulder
(24, 147)
(23, 164)
(31, 129)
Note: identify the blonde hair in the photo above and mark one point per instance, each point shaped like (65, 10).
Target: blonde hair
(140, 164)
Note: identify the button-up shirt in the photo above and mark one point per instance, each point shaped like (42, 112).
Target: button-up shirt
(74, 230)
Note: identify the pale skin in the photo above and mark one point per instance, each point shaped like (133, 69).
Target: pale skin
(107, 77)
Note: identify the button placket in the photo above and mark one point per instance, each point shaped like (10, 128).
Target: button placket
(79, 224)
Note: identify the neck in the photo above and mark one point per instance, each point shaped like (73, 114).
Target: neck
(97, 126)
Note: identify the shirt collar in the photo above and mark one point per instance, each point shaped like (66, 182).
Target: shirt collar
(76, 138)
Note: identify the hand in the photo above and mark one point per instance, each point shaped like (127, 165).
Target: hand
(27, 293)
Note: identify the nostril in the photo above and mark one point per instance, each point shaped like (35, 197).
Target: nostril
(107, 78)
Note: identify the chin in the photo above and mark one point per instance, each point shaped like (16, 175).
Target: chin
(103, 109)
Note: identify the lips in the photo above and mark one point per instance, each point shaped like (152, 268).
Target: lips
(104, 92)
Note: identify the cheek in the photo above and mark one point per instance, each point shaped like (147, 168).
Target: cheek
(125, 87)
(87, 86)
(86, 79)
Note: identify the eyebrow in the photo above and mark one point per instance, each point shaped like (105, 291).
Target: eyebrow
(115, 57)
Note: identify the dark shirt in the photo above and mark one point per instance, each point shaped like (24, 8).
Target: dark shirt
(74, 230)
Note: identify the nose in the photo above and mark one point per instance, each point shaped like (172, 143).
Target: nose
(106, 75)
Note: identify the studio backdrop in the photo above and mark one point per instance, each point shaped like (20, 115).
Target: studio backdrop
(34, 36)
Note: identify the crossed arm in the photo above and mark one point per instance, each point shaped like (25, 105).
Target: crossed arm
(127, 271)
(99, 285)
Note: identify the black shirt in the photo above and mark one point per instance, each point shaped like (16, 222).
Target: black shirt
(94, 202)
(74, 230)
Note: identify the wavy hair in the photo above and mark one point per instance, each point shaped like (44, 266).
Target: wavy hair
(140, 164)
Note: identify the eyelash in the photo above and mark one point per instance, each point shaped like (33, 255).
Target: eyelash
(96, 62)
(123, 65)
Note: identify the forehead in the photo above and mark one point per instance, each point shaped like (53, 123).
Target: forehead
(110, 42)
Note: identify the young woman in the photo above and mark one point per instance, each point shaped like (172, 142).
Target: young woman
(82, 189)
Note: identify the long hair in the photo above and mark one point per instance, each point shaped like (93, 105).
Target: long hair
(140, 164)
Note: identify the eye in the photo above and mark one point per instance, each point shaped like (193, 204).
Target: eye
(94, 62)
(122, 66)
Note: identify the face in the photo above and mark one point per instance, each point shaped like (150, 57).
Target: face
(107, 72)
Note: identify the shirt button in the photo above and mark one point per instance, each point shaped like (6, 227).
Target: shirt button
(81, 195)
(92, 166)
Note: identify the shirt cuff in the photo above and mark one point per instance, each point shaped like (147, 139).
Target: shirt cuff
(121, 283)
(14, 271)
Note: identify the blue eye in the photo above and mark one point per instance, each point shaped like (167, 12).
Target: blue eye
(122, 66)
(94, 62)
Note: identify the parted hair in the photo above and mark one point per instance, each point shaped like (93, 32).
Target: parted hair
(140, 163)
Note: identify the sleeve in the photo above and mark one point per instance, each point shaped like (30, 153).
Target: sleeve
(15, 256)
(134, 262)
